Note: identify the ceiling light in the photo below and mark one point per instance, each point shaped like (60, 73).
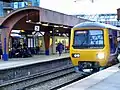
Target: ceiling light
(38, 22)
(50, 31)
(65, 27)
(57, 30)
(45, 24)
(56, 26)
(61, 26)
(28, 21)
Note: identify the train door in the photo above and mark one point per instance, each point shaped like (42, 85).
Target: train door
(113, 41)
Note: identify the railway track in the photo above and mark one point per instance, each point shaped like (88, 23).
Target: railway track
(41, 76)
(57, 82)
(60, 76)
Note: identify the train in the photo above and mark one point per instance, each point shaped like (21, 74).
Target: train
(93, 46)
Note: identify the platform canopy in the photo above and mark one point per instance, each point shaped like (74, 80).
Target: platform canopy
(12, 0)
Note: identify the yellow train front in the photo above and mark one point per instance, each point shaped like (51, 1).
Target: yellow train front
(93, 45)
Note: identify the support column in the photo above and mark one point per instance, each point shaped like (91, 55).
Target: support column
(43, 44)
(47, 42)
(53, 45)
(4, 40)
(53, 42)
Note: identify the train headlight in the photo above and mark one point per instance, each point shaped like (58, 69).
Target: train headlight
(100, 55)
(76, 55)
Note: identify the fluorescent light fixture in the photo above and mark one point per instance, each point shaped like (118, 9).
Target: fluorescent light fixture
(28, 21)
(15, 35)
(38, 22)
(56, 26)
(61, 26)
(45, 24)
(65, 27)
(15, 31)
(30, 35)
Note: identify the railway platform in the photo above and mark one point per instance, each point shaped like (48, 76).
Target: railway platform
(18, 73)
(108, 79)
(18, 62)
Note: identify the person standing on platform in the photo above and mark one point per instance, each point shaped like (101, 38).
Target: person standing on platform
(60, 48)
(1, 53)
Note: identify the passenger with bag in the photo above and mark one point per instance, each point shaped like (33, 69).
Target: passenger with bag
(60, 48)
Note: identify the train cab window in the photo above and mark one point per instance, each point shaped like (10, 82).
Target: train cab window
(88, 39)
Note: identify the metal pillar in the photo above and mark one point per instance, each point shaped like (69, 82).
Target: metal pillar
(5, 54)
(53, 43)
(47, 42)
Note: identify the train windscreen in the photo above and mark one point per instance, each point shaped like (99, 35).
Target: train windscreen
(88, 39)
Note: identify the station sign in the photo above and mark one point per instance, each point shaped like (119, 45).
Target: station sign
(37, 28)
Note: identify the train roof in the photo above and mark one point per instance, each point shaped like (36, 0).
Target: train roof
(95, 24)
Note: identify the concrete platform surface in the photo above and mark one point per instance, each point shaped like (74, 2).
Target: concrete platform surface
(108, 79)
(16, 62)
